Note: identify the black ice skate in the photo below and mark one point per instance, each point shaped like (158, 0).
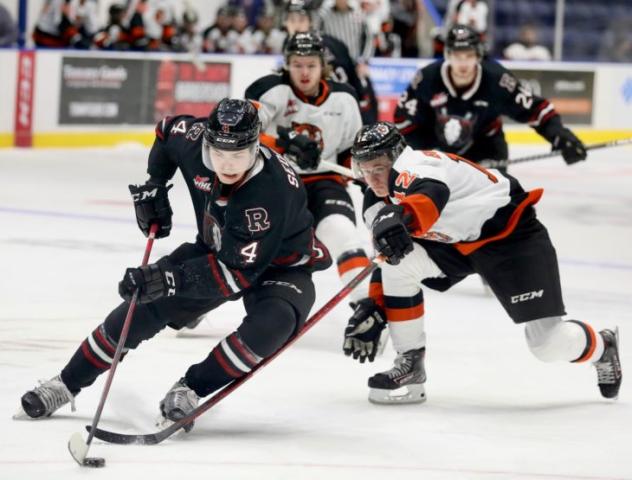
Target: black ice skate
(408, 373)
(178, 403)
(43, 401)
(609, 366)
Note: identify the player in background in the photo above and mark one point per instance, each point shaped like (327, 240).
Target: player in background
(455, 105)
(255, 241)
(438, 218)
(311, 118)
(299, 19)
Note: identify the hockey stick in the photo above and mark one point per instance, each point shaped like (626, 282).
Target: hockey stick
(77, 447)
(157, 437)
(553, 153)
(334, 167)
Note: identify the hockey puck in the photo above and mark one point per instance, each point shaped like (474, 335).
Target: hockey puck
(94, 462)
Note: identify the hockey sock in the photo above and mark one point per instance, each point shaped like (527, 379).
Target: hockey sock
(92, 358)
(350, 263)
(405, 321)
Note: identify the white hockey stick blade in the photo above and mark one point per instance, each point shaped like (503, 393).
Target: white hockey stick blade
(78, 448)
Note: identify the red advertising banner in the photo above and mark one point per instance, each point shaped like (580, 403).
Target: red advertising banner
(188, 88)
(25, 87)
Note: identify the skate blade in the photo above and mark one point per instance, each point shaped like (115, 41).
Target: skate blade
(408, 394)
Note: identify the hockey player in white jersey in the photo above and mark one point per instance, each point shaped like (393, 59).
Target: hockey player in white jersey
(313, 119)
(437, 218)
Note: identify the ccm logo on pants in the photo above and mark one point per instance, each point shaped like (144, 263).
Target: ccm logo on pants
(525, 297)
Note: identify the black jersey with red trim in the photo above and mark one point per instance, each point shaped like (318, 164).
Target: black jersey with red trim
(332, 118)
(261, 222)
(433, 114)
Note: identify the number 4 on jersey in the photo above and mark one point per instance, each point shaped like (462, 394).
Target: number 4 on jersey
(249, 252)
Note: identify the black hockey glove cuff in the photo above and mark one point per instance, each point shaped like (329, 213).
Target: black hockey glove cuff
(390, 234)
(364, 329)
(153, 281)
(151, 204)
(300, 149)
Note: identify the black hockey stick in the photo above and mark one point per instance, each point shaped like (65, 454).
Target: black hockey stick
(77, 447)
(157, 437)
(553, 153)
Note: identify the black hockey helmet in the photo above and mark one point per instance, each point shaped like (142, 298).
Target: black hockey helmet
(372, 141)
(304, 44)
(232, 125)
(463, 37)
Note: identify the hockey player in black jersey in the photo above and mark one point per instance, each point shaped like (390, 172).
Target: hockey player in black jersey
(254, 242)
(312, 119)
(298, 18)
(438, 218)
(455, 105)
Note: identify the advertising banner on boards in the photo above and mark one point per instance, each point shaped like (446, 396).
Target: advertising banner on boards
(111, 91)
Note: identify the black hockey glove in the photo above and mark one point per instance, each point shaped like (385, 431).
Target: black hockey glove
(151, 203)
(153, 281)
(390, 234)
(571, 147)
(363, 331)
(299, 148)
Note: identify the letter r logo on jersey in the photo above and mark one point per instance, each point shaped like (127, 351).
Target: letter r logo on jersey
(404, 179)
(257, 219)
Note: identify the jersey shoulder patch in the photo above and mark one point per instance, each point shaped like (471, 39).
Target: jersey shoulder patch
(259, 87)
(178, 125)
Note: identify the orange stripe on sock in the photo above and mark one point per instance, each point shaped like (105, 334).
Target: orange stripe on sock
(404, 314)
(355, 262)
(591, 347)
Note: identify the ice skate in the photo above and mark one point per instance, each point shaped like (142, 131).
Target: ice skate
(178, 403)
(609, 365)
(403, 383)
(44, 400)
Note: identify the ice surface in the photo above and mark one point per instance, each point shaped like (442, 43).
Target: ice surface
(67, 232)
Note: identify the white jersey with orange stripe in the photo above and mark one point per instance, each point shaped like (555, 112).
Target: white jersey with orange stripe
(332, 119)
(451, 199)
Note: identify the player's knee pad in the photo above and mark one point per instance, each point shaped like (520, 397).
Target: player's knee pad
(339, 234)
(551, 339)
(405, 278)
(269, 326)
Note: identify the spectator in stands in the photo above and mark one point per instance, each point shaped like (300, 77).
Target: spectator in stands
(55, 26)
(269, 38)
(114, 36)
(376, 13)
(216, 38)
(8, 28)
(242, 40)
(188, 38)
(616, 42)
(87, 22)
(405, 15)
(526, 47)
(472, 13)
(387, 43)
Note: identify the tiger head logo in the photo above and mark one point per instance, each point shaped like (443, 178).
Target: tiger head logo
(310, 131)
